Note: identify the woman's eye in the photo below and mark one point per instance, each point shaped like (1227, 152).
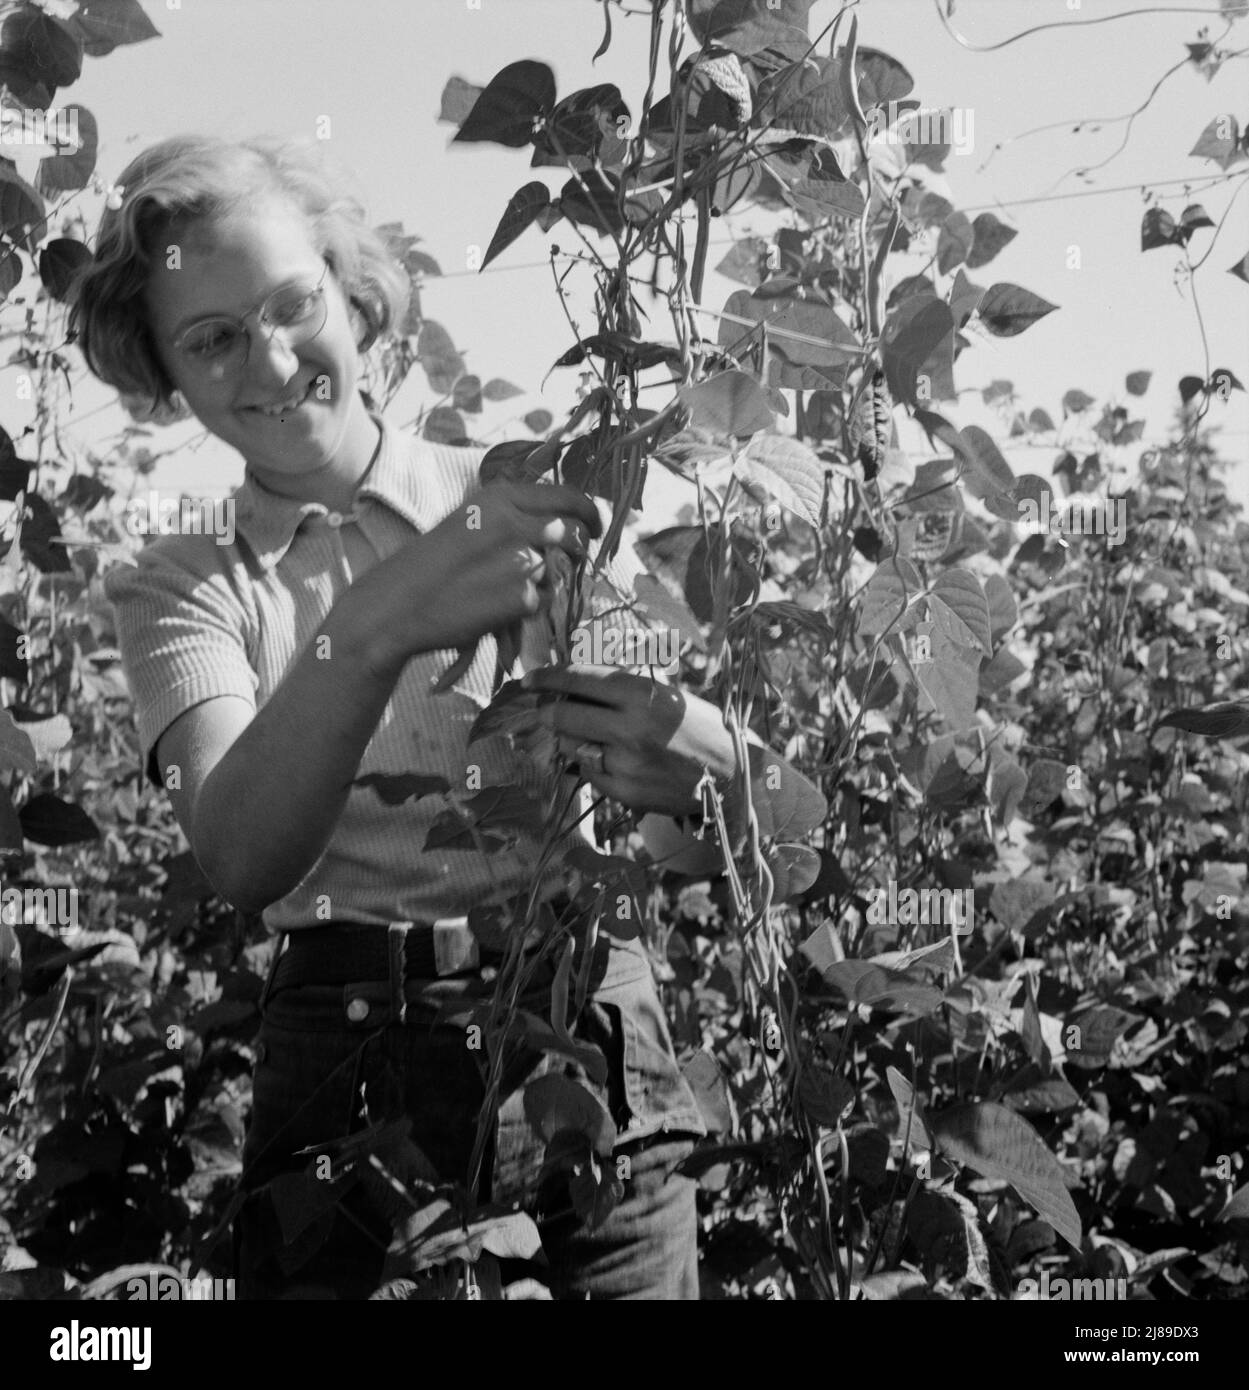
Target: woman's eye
(209, 340)
(293, 310)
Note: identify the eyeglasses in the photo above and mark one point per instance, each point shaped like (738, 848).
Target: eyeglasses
(216, 348)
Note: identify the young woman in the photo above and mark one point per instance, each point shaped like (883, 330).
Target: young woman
(274, 674)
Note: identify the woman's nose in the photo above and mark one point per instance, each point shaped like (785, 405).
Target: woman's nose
(271, 360)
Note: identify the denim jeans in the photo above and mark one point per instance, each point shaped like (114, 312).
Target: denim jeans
(332, 1060)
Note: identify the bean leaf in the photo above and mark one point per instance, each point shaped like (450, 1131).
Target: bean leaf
(790, 470)
(995, 1142)
(731, 403)
(523, 207)
(1224, 719)
(1007, 309)
(557, 1103)
(509, 110)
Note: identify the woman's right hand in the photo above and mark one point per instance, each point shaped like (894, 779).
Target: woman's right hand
(259, 791)
(476, 571)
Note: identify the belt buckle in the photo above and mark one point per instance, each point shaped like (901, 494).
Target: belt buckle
(455, 946)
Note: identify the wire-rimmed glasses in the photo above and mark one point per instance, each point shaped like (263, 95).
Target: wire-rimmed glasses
(217, 347)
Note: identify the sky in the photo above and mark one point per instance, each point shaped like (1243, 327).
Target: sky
(376, 68)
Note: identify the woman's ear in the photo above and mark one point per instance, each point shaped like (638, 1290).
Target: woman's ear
(151, 410)
(360, 329)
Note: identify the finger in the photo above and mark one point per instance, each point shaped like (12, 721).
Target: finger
(569, 533)
(512, 585)
(580, 722)
(609, 782)
(555, 499)
(605, 685)
(571, 749)
(524, 559)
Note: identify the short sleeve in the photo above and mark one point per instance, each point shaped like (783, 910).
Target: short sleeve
(181, 630)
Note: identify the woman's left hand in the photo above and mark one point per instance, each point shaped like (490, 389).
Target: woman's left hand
(655, 741)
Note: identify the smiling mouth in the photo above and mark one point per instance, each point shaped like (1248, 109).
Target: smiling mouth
(282, 408)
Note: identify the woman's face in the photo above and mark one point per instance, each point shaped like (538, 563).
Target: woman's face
(229, 267)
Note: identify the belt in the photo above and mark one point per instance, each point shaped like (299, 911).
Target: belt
(346, 952)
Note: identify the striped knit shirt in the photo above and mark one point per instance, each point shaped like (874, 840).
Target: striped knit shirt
(198, 619)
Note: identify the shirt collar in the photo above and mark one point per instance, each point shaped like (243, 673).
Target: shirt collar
(268, 521)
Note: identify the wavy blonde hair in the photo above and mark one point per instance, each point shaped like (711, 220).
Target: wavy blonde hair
(198, 178)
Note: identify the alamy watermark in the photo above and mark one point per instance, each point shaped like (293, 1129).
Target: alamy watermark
(172, 1288)
(1081, 1290)
(921, 907)
(954, 126)
(53, 128)
(40, 907)
(1078, 516)
(154, 515)
(90, 1343)
(602, 644)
